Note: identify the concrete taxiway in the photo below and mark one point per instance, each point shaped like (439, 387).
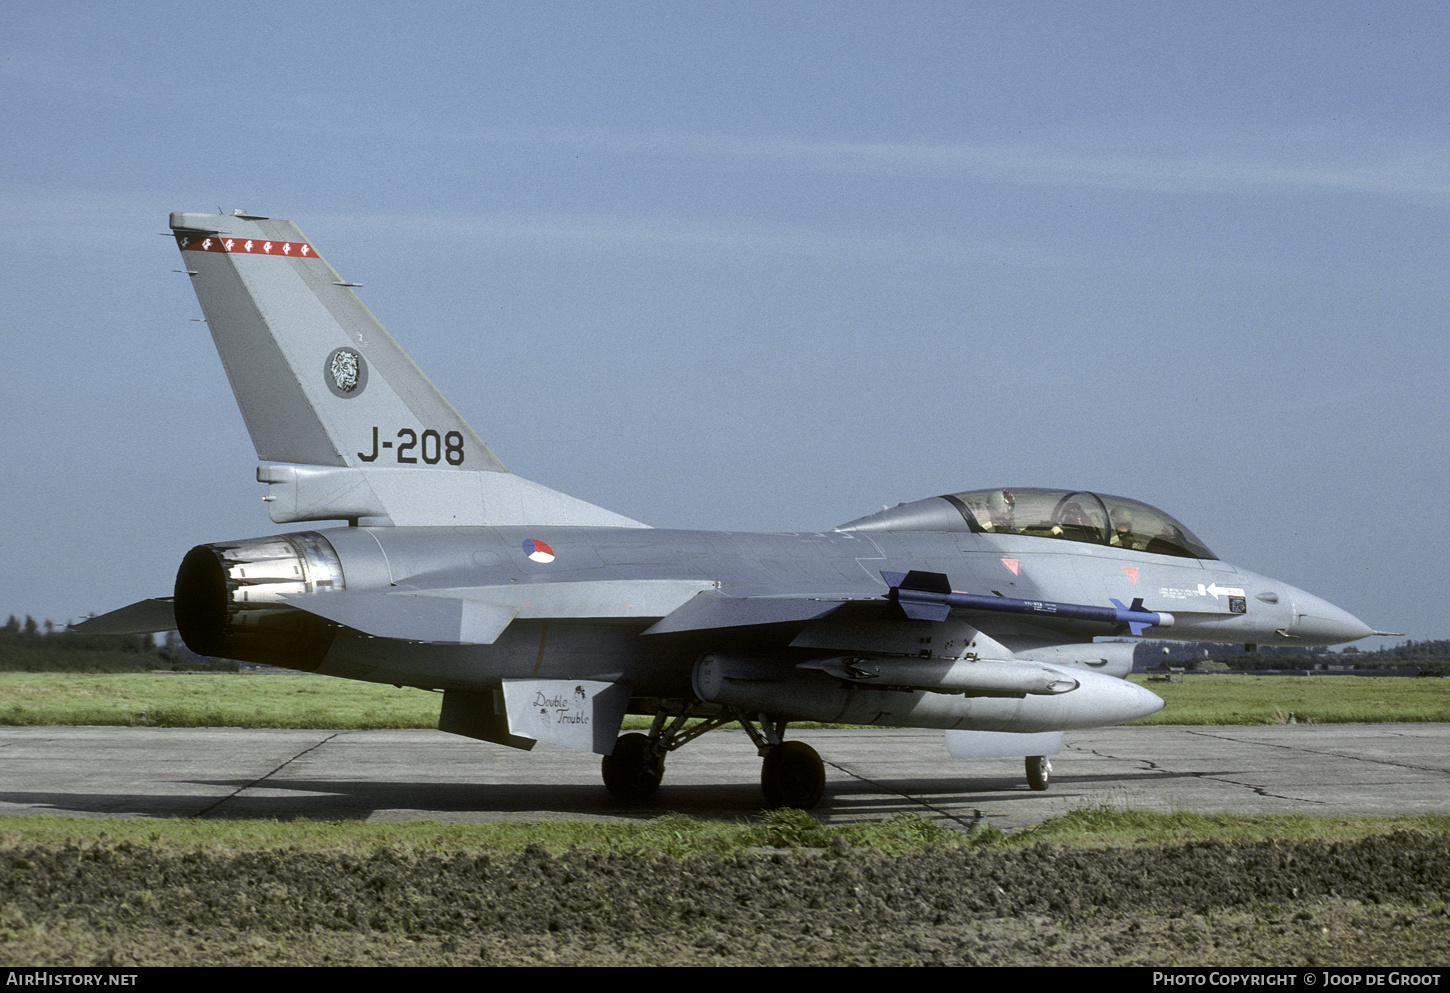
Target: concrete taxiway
(1341, 769)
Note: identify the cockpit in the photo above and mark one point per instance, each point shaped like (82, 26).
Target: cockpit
(1067, 515)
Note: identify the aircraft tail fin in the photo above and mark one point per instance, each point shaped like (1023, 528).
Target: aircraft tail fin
(313, 371)
(325, 390)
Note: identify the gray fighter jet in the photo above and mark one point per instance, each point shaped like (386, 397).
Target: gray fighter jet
(542, 617)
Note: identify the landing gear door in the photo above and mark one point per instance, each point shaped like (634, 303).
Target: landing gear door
(576, 713)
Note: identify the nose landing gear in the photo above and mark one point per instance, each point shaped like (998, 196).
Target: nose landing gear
(1038, 771)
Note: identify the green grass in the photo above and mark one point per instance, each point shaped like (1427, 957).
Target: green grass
(1246, 699)
(672, 834)
(1113, 825)
(679, 836)
(273, 700)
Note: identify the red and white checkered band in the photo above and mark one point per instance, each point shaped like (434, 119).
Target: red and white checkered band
(233, 245)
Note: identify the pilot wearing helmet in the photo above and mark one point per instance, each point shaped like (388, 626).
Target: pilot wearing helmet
(1123, 536)
(1001, 508)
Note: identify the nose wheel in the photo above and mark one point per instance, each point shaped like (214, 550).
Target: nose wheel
(1038, 771)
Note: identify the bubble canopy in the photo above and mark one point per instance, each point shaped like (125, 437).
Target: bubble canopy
(1067, 515)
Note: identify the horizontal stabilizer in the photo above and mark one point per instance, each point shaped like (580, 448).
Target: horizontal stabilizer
(711, 611)
(146, 617)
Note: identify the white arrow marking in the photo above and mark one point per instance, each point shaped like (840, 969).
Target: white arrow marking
(1214, 590)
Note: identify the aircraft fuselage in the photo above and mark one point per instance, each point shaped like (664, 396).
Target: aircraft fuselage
(616, 571)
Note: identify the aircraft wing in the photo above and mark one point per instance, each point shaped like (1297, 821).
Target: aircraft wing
(711, 610)
(474, 615)
(477, 615)
(410, 616)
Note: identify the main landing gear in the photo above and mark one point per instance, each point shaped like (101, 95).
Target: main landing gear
(635, 769)
(791, 775)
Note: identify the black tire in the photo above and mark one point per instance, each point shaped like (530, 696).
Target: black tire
(634, 771)
(1039, 770)
(793, 775)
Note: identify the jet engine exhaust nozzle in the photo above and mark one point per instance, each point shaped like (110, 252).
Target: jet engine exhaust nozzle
(229, 599)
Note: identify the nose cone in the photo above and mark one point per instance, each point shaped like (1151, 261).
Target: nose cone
(1319, 622)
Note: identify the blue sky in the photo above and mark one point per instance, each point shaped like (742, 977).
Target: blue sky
(758, 266)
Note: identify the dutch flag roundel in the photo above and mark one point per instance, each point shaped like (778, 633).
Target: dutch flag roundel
(537, 551)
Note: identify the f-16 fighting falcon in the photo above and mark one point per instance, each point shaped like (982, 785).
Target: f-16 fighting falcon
(541, 617)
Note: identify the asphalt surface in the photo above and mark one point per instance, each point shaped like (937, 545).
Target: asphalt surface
(1336, 769)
